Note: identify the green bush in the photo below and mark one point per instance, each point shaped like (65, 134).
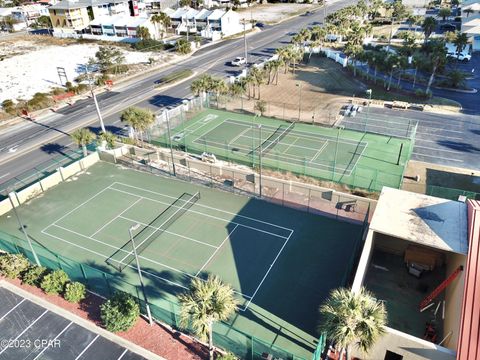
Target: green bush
(34, 275)
(54, 283)
(120, 312)
(9, 107)
(228, 356)
(148, 45)
(74, 292)
(12, 265)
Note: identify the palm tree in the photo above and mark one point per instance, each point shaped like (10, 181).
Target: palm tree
(460, 42)
(258, 76)
(218, 86)
(139, 119)
(283, 54)
(163, 19)
(353, 51)
(444, 13)
(350, 318)
(205, 303)
(275, 66)
(109, 138)
(238, 88)
(468, 11)
(202, 84)
(82, 137)
(143, 33)
(456, 78)
(428, 26)
(438, 57)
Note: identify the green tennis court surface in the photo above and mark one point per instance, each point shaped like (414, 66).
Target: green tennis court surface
(281, 262)
(353, 158)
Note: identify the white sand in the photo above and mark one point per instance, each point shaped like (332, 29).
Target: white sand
(23, 75)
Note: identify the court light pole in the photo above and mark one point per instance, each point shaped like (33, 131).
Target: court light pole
(170, 143)
(299, 85)
(131, 229)
(260, 160)
(369, 93)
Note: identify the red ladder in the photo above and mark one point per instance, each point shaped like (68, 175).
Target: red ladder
(440, 288)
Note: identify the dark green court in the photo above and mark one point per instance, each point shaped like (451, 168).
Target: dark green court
(353, 158)
(281, 262)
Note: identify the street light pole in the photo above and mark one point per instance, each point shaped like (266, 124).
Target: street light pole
(260, 160)
(324, 11)
(245, 42)
(102, 125)
(130, 232)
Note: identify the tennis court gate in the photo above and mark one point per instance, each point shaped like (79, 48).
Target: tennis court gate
(106, 284)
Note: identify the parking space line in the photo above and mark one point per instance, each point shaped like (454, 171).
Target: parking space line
(86, 348)
(50, 342)
(25, 330)
(438, 157)
(438, 149)
(9, 311)
(121, 356)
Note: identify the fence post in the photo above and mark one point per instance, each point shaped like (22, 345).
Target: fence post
(84, 273)
(59, 262)
(309, 197)
(108, 284)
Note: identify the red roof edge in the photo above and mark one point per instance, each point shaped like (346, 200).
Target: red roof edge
(469, 337)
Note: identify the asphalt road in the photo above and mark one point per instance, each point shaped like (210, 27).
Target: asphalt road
(23, 147)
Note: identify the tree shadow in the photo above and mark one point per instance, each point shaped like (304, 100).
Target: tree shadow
(459, 146)
(164, 101)
(55, 148)
(46, 126)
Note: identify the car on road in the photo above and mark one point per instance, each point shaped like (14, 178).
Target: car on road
(239, 61)
(461, 57)
(260, 25)
(448, 27)
(308, 13)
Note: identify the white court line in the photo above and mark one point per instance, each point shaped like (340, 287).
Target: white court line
(9, 311)
(123, 354)
(268, 271)
(25, 330)
(204, 206)
(319, 151)
(86, 348)
(214, 128)
(108, 223)
(289, 146)
(77, 207)
(203, 214)
(179, 208)
(107, 257)
(50, 342)
(215, 252)
(121, 250)
(169, 232)
(238, 136)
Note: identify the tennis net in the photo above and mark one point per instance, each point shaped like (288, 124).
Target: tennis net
(153, 230)
(275, 138)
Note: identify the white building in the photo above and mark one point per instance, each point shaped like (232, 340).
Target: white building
(118, 28)
(211, 24)
(471, 22)
(29, 13)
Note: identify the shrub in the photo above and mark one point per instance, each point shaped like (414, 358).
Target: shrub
(74, 292)
(54, 283)
(12, 265)
(228, 356)
(120, 312)
(34, 275)
(261, 106)
(9, 107)
(148, 45)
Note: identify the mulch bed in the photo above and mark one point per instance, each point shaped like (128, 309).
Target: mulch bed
(170, 344)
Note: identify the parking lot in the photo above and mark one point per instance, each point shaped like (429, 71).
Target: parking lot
(451, 140)
(31, 331)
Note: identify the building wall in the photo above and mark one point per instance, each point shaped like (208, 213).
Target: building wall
(111, 10)
(410, 347)
(73, 19)
(453, 300)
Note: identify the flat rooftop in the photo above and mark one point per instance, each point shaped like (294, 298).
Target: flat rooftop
(422, 219)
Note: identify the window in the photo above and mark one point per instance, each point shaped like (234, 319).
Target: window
(390, 355)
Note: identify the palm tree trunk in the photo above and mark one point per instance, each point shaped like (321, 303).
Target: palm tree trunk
(259, 91)
(354, 67)
(84, 148)
(390, 80)
(210, 340)
(375, 75)
(430, 81)
(415, 77)
(399, 78)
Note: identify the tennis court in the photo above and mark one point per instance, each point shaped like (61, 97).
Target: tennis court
(274, 258)
(350, 157)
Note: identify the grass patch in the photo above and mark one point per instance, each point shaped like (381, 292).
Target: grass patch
(174, 77)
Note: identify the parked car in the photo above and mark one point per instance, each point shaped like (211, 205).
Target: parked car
(448, 27)
(239, 61)
(260, 25)
(462, 56)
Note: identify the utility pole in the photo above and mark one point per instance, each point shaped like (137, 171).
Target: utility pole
(102, 125)
(299, 100)
(130, 232)
(324, 11)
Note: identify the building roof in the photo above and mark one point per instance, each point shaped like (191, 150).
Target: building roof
(120, 20)
(6, 11)
(75, 4)
(422, 219)
(180, 12)
(469, 338)
(216, 14)
(471, 22)
(203, 14)
(474, 30)
(168, 11)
